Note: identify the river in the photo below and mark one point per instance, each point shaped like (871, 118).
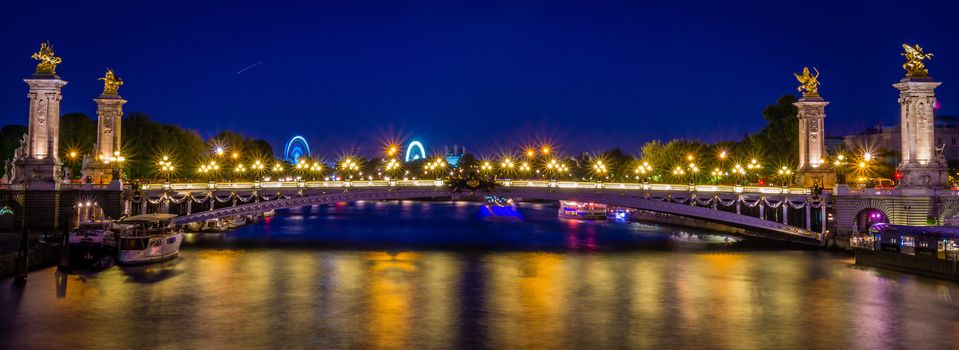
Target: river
(437, 275)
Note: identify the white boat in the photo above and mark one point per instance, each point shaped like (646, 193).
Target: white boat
(150, 238)
(582, 211)
(269, 213)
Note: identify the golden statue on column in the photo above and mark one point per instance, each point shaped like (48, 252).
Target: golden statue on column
(111, 83)
(808, 83)
(48, 60)
(914, 57)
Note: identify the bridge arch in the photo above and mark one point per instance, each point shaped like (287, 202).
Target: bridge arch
(415, 151)
(297, 147)
(869, 216)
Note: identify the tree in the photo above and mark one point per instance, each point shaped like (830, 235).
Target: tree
(779, 139)
(144, 141)
(10, 137)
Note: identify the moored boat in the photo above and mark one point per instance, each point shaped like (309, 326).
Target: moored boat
(93, 244)
(150, 238)
(214, 225)
(235, 221)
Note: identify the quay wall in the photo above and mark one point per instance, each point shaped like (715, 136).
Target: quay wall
(41, 255)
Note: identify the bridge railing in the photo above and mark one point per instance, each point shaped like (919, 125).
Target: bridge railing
(629, 186)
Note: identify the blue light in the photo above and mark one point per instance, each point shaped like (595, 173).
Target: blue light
(296, 148)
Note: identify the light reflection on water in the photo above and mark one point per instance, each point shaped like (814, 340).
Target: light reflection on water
(225, 296)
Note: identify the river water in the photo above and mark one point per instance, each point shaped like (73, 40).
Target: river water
(437, 275)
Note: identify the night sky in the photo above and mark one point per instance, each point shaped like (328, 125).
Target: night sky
(586, 76)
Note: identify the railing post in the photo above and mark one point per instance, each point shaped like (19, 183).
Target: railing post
(762, 209)
(143, 204)
(822, 212)
(189, 206)
(739, 203)
(785, 205)
(808, 215)
(164, 206)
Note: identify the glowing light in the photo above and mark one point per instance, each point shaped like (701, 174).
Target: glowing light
(411, 151)
(297, 147)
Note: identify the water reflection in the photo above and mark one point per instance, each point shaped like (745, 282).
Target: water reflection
(227, 297)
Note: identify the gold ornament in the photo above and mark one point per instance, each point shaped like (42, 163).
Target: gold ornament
(808, 83)
(914, 57)
(111, 83)
(48, 61)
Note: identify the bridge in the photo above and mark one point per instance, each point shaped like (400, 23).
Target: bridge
(923, 196)
(778, 213)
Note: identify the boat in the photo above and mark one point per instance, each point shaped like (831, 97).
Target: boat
(582, 211)
(93, 244)
(214, 225)
(926, 250)
(195, 226)
(150, 238)
(500, 209)
(235, 221)
(269, 213)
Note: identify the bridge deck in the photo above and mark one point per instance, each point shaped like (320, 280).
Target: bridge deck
(649, 197)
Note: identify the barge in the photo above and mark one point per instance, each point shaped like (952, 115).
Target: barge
(931, 251)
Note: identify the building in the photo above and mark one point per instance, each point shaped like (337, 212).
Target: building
(453, 157)
(889, 138)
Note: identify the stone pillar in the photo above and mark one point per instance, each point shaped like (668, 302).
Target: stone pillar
(97, 166)
(813, 167)
(922, 168)
(40, 164)
(109, 114)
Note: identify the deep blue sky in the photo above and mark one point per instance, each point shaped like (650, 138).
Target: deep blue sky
(491, 75)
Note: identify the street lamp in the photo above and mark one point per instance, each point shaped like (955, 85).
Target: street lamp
(785, 173)
(166, 167)
(644, 169)
(599, 168)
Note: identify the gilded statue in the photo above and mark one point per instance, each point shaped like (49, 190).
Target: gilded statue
(111, 83)
(808, 83)
(48, 61)
(914, 57)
